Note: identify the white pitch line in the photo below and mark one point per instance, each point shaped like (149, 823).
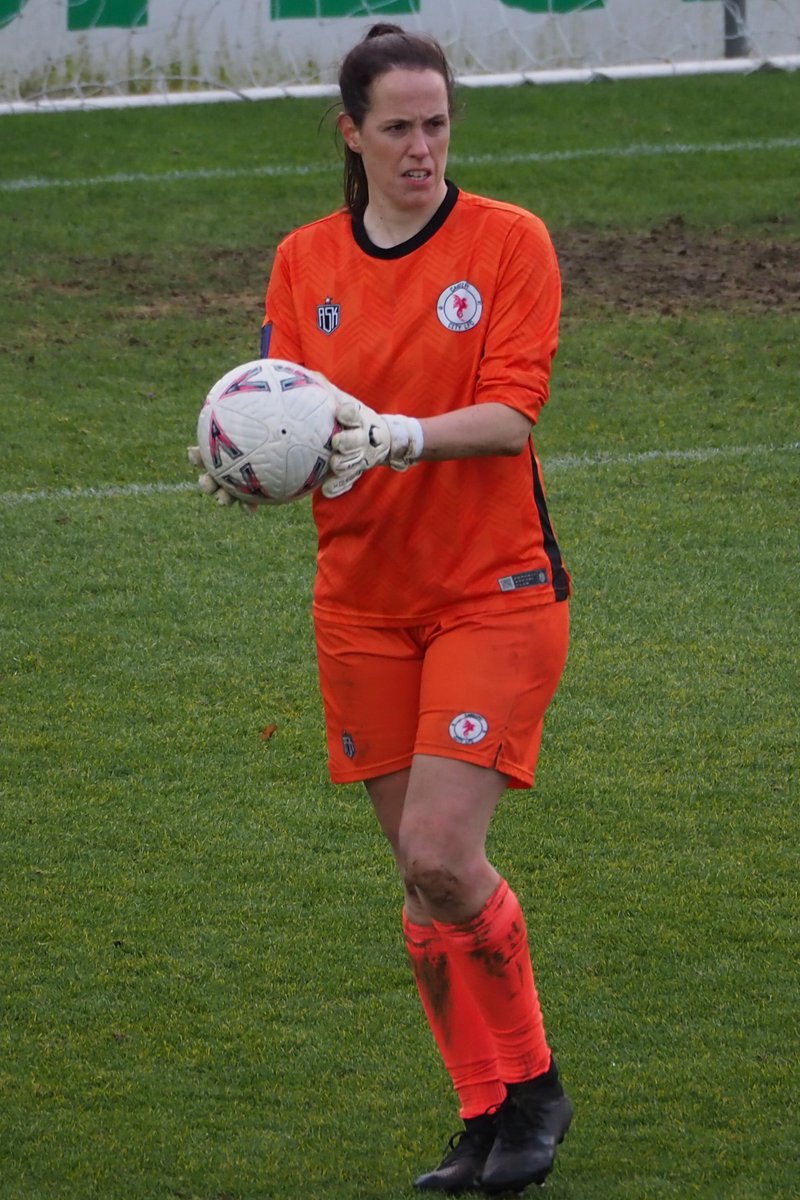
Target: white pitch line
(113, 492)
(565, 462)
(637, 150)
(291, 170)
(569, 462)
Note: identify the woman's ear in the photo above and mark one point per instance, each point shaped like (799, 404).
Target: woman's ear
(349, 131)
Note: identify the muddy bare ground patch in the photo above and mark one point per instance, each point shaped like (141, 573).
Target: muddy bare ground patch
(671, 270)
(674, 269)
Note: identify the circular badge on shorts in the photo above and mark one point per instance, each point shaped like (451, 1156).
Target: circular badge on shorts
(459, 307)
(468, 728)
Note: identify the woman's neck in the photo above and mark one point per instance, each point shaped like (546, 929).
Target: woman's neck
(389, 228)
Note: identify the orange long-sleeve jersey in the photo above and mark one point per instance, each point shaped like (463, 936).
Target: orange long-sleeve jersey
(464, 313)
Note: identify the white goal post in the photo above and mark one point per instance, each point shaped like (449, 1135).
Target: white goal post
(96, 53)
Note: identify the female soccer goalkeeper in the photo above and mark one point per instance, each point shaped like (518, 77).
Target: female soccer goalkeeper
(441, 599)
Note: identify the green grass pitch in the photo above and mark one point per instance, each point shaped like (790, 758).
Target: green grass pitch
(203, 991)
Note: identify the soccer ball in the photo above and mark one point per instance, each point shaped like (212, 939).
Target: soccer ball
(265, 431)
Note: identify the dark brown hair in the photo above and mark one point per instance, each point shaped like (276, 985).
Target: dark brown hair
(383, 48)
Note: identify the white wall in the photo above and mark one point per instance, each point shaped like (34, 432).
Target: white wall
(213, 43)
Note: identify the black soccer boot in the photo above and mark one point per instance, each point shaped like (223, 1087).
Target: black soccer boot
(460, 1169)
(531, 1122)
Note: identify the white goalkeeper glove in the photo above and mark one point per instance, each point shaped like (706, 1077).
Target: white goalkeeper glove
(368, 439)
(210, 486)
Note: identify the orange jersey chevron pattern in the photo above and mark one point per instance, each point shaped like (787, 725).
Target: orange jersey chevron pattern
(464, 313)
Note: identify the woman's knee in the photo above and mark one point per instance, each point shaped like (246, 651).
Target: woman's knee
(437, 884)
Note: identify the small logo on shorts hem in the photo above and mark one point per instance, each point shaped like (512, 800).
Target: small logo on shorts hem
(348, 745)
(468, 728)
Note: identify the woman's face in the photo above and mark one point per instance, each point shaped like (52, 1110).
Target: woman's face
(403, 140)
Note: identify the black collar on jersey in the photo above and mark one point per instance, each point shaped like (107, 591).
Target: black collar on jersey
(419, 239)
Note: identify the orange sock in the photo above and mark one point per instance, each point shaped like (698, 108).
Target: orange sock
(464, 1042)
(491, 954)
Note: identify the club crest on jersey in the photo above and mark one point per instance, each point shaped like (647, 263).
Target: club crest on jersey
(460, 307)
(468, 728)
(328, 316)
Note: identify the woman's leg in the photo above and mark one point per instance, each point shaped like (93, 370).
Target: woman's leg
(465, 1044)
(441, 840)
(464, 1041)
(440, 834)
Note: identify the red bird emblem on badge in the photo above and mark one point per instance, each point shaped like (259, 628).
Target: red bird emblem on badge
(460, 304)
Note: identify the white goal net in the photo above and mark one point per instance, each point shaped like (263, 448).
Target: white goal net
(57, 52)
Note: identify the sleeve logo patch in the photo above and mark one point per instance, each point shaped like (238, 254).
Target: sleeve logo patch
(460, 307)
(468, 728)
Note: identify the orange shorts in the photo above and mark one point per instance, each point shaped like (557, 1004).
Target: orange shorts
(472, 687)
